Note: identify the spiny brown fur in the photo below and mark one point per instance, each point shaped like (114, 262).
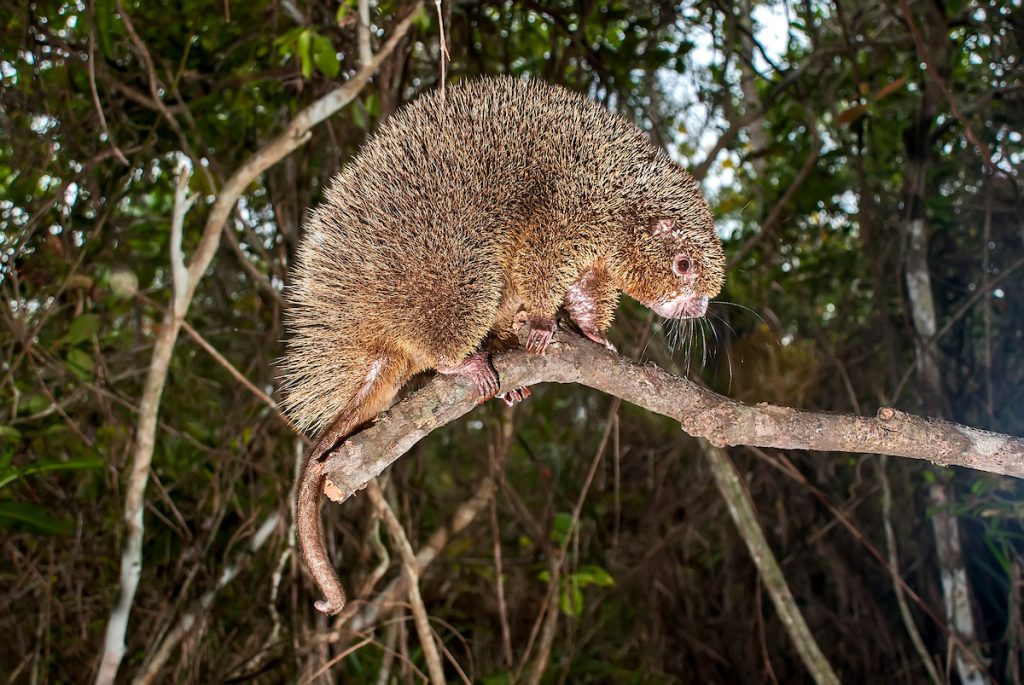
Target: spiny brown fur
(456, 215)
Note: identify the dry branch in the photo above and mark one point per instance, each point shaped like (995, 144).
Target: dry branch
(368, 615)
(741, 508)
(701, 413)
(186, 281)
(412, 583)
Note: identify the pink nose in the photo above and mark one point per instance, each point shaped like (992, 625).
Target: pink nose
(685, 306)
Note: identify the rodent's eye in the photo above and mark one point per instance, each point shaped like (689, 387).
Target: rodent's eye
(683, 266)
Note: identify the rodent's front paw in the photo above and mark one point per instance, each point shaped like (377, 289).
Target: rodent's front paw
(542, 328)
(598, 337)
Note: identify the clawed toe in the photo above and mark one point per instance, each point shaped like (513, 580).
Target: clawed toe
(599, 338)
(487, 386)
(537, 342)
(517, 395)
(542, 329)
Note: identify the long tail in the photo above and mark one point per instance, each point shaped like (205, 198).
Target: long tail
(376, 392)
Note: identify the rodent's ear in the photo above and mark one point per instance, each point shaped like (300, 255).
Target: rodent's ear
(663, 228)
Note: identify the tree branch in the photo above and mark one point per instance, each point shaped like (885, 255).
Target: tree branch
(702, 413)
(145, 442)
(368, 615)
(412, 583)
(741, 508)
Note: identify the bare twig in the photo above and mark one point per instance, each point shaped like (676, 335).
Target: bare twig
(383, 558)
(787, 468)
(95, 95)
(412, 582)
(444, 47)
(155, 87)
(227, 366)
(390, 637)
(742, 511)
(261, 281)
(550, 623)
(363, 31)
(894, 570)
(338, 659)
(556, 559)
(498, 455)
(368, 615)
(499, 583)
(235, 373)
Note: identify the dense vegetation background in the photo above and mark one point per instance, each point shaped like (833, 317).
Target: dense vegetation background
(863, 159)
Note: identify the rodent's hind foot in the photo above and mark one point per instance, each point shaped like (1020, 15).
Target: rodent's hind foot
(477, 368)
(542, 328)
(516, 395)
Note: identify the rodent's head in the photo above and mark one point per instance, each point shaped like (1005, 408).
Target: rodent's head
(672, 261)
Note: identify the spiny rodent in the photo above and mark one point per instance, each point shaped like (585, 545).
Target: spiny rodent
(506, 195)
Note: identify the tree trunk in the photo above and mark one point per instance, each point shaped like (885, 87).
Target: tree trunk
(956, 589)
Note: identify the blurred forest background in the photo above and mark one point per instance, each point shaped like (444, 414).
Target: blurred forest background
(863, 158)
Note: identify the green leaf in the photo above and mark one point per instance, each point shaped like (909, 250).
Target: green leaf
(560, 528)
(9, 475)
(73, 464)
(594, 575)
(304, 56)
(80, 363)
(324, 56)
(287, 40)
(570, 600)
(9, 433)
(103, 11)
(359, 115)
(344, 8)
(33, 404)
(83, 328)
(33, 518)
(373, 105)
(423, 19)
